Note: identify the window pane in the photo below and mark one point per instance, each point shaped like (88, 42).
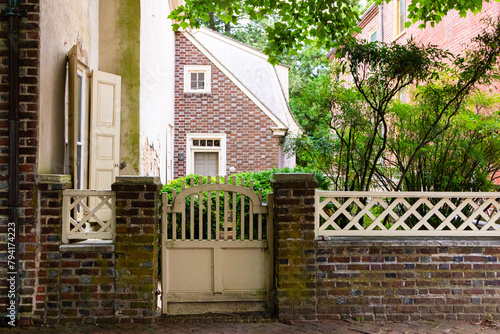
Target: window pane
(402, 10)
(217, 143)
(203, 143)
(210, 142)
(196, 142)
(373, 36)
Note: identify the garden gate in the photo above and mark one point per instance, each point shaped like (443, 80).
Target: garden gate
(216, 248)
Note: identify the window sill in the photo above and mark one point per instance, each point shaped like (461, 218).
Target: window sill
(197, 93)
(399, 36)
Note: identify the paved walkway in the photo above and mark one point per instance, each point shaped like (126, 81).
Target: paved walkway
(270, 327)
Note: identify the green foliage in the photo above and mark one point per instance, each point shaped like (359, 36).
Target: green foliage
(362, 138)
(197, 205)
(323, 23)
(261, 180)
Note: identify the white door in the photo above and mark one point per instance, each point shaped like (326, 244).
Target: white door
(104, 130)
(206, 163)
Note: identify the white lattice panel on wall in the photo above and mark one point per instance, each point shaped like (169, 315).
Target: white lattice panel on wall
(88, 214)
(407, 214)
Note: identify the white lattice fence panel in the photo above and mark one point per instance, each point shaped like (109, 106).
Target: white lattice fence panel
(407, 213)
(88, 214)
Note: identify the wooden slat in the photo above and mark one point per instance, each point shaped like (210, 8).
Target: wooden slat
(234, 213)
(483, 206)
(242, 209)
(174, 217)
(217, 210)
(226, 205)
(209, 211)
(200, 211)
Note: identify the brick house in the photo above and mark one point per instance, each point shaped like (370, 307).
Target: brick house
(231, 107)
(385, 23)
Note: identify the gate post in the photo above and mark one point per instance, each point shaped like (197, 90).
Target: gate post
(137, 215)
(295, 255)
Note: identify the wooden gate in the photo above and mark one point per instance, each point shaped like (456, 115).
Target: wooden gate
(216, 249)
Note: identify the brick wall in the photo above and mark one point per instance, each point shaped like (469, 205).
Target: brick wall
(403, 280)
(295, 253)
(250, 142)
(377, 279)
(453, 33)
(137, 244)
(41, 292)
(98, 281)
(87, 284)
(29, 48)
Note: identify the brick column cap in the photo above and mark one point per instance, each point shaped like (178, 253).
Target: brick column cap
(53, 178)
(131, 179)
(287, 177)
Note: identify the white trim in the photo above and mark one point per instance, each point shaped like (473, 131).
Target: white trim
(231, 77)
(206, 69)
(190, 150)
(293, 126)
(371, 32)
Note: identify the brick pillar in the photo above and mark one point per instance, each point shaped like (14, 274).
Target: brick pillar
(295, 255)
(47, 235)
(137, 239)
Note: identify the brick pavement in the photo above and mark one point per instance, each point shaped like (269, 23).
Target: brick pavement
(268, 326)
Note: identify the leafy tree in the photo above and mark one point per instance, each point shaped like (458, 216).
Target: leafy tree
(367, 140)
(324, 23)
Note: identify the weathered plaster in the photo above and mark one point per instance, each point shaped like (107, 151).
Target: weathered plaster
(119, 52)
(63, 23)
(157, 83)
(150, 160)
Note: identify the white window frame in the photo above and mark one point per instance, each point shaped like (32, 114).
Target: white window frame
(399, 30)
(370, 34)
(190, 150)
(188, 69)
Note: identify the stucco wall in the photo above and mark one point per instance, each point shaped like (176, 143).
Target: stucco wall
(119, 53)
(63, 23)
(157, 85)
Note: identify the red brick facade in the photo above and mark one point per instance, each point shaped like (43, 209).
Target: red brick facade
(251, 145)
(453, 33)
(29, 50)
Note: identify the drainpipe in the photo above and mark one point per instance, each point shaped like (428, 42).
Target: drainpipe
(13, 14)
(381, 22)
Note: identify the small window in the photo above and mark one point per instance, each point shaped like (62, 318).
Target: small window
(206, 142)
(400, 16)
(373, 36)
(402, 95)
(196, 79)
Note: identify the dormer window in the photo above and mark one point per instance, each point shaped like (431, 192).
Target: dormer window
(196, 79)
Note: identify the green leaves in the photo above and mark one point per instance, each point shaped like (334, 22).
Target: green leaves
(362, 137)
(301, 22)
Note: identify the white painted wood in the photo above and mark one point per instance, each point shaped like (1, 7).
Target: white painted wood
(240, 268)
(101, 226)
(453, 214)
(225, 296)
(104, 130)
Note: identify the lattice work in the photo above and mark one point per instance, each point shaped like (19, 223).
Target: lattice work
(88, 214)
(407, 213)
